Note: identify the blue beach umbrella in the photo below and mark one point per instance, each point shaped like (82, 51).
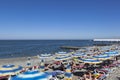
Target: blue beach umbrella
(91, 61)
(62, 53)
(60, 58)
(78, 54)
(32, 75)
(112, 53)
(10, 70)
(102, 57)
(45, 56)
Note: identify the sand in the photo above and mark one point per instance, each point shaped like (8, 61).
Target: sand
(36, 61)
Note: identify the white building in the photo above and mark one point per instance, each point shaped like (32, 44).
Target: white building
(106, 40)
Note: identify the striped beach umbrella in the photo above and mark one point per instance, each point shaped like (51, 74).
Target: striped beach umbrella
(32, 75)
(102, 57)
(91, 61)
(42, 56)
(10, 70)
(62, 54)
(112, 53)
(68, 73)
(60, 58)
(46, 57)
(78, 54)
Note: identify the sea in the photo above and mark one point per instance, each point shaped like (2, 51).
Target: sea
(25, 48)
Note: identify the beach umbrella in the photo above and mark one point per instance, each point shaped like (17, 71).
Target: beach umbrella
(112, 53)
(60, 58)
(91, 61)
(32, 75)
(10, 70)
(42, 56)
(45, 56)
(102, 57)
(62, 54)
(78, 54)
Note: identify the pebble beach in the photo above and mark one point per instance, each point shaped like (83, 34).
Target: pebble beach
(36, 61)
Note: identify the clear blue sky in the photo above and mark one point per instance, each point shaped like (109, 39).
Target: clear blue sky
(59, 19)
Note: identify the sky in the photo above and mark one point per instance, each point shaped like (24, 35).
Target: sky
(59, 19)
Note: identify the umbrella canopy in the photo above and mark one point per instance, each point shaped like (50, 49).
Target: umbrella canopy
(10, 70)
(102, 57)
(78, 54)
(32, 75)
(42, 56)
(59, 58)
(112, 53)
(62, 53)
(91, 61)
